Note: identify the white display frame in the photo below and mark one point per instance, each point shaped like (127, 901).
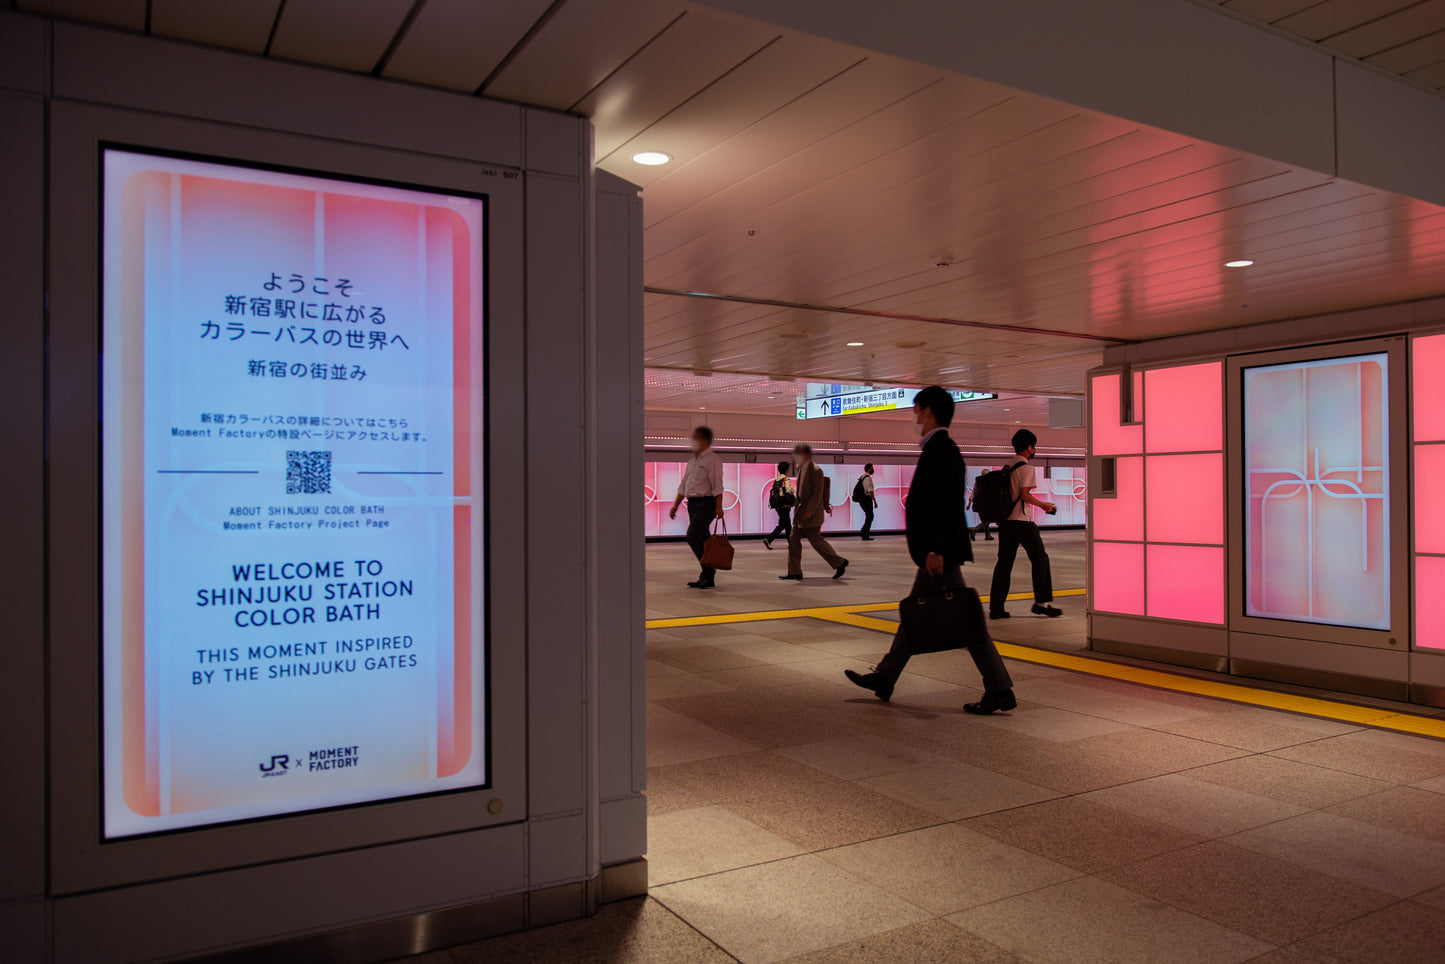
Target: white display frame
(80, 858)
(1398, 636)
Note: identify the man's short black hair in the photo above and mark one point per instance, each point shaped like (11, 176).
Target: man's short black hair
(782, 466)
(937, 401)
(703, 432)
(1022, 439)
(868, 468)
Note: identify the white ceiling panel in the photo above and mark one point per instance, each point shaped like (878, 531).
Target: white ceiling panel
(348, 34)
(458, 43)
(582, 43)
(780, 73)
(220, 23)
(690, 54)
(130, 14)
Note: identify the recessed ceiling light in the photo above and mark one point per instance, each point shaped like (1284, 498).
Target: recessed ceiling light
(651, 158)
(855, 344)
(1241, 263)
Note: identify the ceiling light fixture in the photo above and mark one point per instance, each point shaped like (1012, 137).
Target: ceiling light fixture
(855, 344)
(651, 158)
(1241, 263)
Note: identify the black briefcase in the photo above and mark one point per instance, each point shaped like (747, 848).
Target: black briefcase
(942, 618)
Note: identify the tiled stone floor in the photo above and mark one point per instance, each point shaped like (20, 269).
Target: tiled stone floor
(792, 818)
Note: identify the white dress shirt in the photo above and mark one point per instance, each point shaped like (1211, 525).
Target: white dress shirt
(868, 484)
(1021, 479)
(704, 476)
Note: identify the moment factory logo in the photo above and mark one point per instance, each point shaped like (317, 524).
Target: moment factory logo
(330, 758)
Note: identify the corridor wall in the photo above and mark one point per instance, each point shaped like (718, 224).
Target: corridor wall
(1263, 501)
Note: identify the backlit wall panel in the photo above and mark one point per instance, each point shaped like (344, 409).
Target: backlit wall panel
(1427, 420)
(747, 486)
(1158, 541)
(1316, 463)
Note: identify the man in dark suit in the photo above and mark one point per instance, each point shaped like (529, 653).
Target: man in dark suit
(938, 542)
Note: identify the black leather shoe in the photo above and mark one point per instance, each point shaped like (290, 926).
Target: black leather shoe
(871, 681)
(992, 703)
(1001, 614)
(702, 585)
(1044, 609)
(767, 543)
(798, 577)
(838, 573)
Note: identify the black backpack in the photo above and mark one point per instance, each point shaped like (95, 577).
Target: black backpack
(993, 494)
(860, 494)
(780, 497)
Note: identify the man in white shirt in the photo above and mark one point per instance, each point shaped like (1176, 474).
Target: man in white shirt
(1019, 529)
(702, 487)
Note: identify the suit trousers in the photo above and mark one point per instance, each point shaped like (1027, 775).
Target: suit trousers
(985, 655)
(867, 506)
(814, 535)
(1011, 534)
(701, 510)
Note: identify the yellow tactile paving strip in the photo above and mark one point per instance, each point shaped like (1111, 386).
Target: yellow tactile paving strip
(1234, 692)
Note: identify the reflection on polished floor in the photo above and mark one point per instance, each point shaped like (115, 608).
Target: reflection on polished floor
(793, 818)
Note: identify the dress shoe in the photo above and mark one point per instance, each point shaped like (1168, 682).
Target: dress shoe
(992, 703)
(880, 687)
(1001, 614)
(798, 577)
(867, 538)
(988, 538)
(838, 573)
(767, 543)
(700, 584)
(1044, 609)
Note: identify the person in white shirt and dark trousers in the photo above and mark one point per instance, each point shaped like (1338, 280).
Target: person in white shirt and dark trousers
(1019, 529)
(702, 487)
(781, 499)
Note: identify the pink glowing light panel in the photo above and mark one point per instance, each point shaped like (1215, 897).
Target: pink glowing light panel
(1317, 479)
(747, 485)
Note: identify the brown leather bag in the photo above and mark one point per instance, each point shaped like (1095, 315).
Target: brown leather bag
(717, 552)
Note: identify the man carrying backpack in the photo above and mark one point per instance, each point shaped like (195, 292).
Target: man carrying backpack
(1018, 529)
(781, 499)
(867, 501)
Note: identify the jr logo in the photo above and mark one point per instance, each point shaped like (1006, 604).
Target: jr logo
(277, 765)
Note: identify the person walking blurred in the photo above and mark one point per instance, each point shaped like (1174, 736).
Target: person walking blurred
(781, 499)
(867, 501)
(702, 487)
(808, 517)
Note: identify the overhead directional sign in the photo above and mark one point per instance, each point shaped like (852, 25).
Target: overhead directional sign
(866, 400)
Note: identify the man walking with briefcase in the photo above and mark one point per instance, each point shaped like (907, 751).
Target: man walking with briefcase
(940, 605)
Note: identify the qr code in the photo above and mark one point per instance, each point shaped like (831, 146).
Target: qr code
(308, 473)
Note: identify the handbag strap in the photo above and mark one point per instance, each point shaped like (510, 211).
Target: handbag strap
(724, 523)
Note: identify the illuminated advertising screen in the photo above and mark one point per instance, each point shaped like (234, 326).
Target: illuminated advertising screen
(1317, 477)
(746, 486)
(293, 469)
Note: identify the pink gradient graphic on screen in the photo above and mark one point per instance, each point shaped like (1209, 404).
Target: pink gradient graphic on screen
(1317, 480)
(1186, 582)
(1107, 436)
(1429, 506)
(1185, 404)
(1119, 577)
(1185, 498)
(1430, 602)
(1428, 387)
(1122, 516)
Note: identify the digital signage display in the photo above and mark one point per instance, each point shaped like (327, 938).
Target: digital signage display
(293, 465)
(831, 401)
(1317, 478)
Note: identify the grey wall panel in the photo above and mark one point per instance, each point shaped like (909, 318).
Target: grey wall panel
(624, 829)
(1390, 136)
(557, 851)
(22, 400)
(1319, 655)
(22, 52)
(111, 67)
(554, 143)
(556, 494)
(265, 903)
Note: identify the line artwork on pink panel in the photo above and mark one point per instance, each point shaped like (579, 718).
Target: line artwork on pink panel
(1317, 478)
